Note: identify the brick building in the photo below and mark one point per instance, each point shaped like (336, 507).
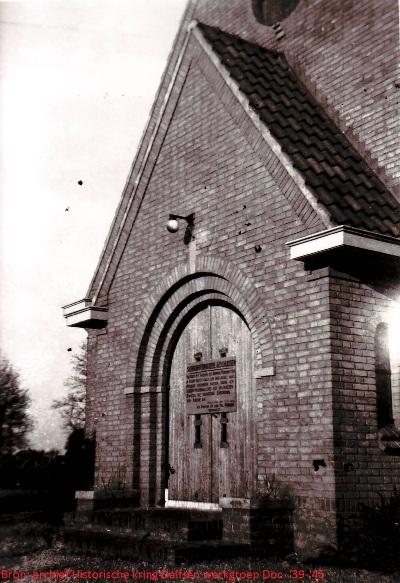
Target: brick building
(242, 354)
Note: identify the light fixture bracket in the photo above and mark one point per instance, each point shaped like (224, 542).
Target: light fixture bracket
(189, 218)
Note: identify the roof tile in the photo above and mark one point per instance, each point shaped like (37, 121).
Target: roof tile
(332, 168)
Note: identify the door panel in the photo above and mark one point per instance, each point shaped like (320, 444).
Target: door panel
(229, 331)
(221, 466)
(191, 480)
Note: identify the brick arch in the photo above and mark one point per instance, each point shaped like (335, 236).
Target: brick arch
(168, 344)
(177, 294)
(159, 358)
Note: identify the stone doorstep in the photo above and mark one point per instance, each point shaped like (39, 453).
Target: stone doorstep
(134, 547)
(151, 514)
(240, 528)
(97, 531)
(164, 523)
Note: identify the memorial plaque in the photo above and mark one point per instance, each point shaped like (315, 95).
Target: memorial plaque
(211, 387)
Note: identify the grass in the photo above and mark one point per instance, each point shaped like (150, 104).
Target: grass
(29, 551)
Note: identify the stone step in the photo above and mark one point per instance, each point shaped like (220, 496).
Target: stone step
(162, 533)
(168, 523)
(109, 543)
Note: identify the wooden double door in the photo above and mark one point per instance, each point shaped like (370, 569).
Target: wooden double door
(210, 453)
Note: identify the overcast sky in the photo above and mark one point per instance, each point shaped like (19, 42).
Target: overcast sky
(77, 80)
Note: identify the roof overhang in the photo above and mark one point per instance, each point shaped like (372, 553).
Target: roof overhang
(340, 237)
(362, 254)
(82, 314)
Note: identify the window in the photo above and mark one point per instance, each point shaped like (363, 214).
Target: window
(383, 377)
(270, 12)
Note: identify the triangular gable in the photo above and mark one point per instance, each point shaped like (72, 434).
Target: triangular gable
(332, 176)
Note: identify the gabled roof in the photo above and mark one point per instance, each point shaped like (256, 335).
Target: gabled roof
(333, 170)
(331, 175)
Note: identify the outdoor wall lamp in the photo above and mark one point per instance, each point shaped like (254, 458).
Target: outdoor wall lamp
(173, 224)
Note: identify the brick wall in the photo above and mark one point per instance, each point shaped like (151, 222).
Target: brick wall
(363, 470)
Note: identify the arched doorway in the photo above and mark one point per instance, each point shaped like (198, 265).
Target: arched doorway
(210, 443)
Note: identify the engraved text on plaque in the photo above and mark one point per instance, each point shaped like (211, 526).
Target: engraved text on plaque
(211, 387)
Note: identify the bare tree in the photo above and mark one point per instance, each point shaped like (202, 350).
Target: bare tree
(14, 401)
(72, 406)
